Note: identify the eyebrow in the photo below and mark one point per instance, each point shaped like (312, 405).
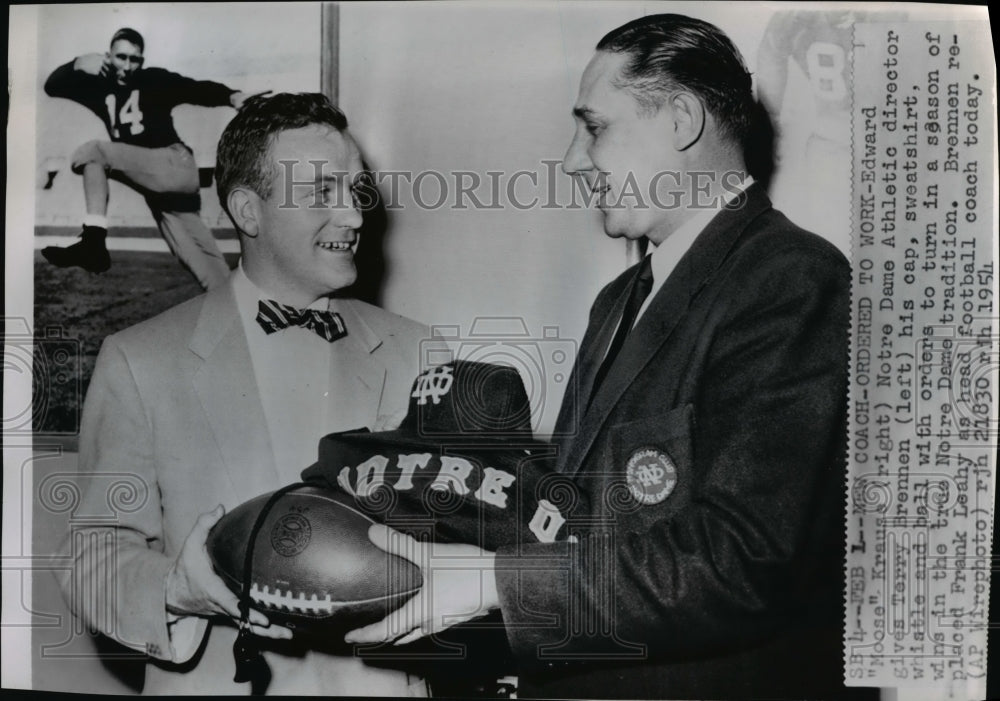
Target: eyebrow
(584, 113)
(326, 178)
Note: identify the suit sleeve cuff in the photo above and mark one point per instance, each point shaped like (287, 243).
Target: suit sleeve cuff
(164, 636)
(532, 585)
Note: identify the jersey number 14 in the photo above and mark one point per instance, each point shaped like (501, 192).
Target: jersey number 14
(129, 114)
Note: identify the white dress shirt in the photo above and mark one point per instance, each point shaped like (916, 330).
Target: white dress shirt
(666, 256)
(292, 370)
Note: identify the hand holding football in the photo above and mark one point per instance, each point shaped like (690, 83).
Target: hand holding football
(313, 563)
(192, 588)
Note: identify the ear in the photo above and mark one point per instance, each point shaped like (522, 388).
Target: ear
(245, 207)
(689, 119)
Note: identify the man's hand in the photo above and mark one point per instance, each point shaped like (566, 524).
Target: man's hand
(239, 97)
(194, 589)
(94, 64)
(459, 585)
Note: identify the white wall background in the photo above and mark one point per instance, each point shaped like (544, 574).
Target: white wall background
(490, 86)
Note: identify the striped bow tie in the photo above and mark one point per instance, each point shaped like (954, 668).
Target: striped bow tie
(273, 316)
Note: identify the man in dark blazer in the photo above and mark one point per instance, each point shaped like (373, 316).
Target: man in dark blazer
(708, 429)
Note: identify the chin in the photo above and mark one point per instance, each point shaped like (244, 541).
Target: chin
(342, 281)
(619, 231)
(631, 226)
(612, 229)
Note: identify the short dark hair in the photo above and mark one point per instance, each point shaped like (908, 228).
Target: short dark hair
(129, 35)
(670, 51)
(243, 158)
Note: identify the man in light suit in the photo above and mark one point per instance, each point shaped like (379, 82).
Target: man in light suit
(708, 430)
(225, 397)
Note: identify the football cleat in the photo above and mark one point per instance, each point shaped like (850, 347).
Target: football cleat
(89, 252)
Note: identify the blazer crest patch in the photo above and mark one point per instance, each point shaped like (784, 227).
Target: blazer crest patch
(651, 475)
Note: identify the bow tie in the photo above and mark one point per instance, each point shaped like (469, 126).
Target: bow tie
(274, 316)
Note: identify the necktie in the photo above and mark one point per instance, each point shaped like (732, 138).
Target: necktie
(274, 316)
(642, 284)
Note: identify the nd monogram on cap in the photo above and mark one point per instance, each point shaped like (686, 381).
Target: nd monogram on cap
(465, 450)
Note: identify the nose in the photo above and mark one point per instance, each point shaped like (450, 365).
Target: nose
(347, 215)
(577, 160)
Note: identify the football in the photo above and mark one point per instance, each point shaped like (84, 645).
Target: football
(313, 564)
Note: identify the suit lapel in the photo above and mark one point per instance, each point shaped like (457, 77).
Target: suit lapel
(662, 316)
(226, 387)
(595, 341)
(357, 377)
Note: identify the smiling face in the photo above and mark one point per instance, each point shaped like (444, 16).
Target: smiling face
(125, 58)
(300, 245)
(624, 153)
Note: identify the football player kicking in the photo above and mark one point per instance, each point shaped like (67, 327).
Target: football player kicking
(145, 152)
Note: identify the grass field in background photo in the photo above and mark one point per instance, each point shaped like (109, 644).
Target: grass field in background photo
(75, 310)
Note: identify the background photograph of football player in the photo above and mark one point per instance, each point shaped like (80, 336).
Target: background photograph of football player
(117, 138)
(145, 152)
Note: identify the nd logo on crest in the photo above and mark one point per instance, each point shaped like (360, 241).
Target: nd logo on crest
(433, 384)
(651, 475)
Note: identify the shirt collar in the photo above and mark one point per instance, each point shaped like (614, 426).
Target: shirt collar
(248, 295)
(666, 256)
